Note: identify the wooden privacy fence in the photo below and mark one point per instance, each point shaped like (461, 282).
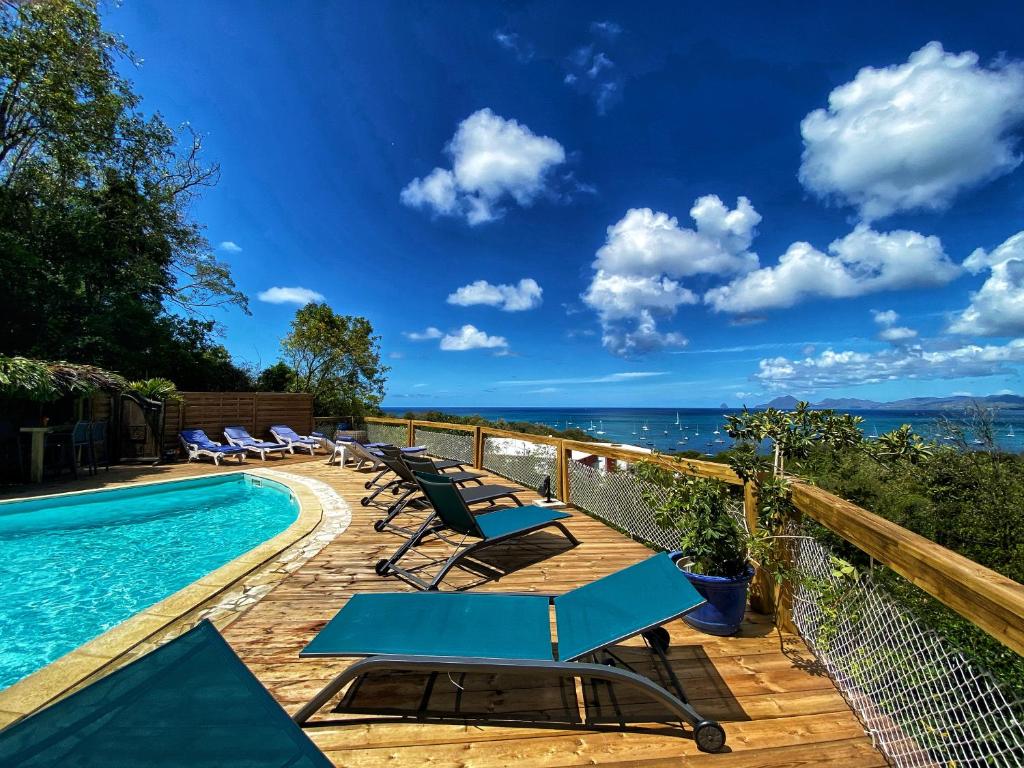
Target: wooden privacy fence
(256, 411)
(987, 599)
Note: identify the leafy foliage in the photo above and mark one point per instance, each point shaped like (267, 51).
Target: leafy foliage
(42, 381)
(337, 359)
(95, 236)
(697, 507)
(161, 390)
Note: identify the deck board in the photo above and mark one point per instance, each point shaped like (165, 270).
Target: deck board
(762, 685)
(776, 710)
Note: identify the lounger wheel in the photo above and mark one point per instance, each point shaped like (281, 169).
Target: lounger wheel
(381, 568)
(368, 485)
(710, 736)
(378, 525)
(365, 501)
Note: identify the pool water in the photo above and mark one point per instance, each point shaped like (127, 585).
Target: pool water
(74, 566)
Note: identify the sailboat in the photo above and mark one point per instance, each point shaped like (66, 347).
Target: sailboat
(600, 431)
(874, 433)
(645, 427)
(634, 429)
(677, 418)
(1009, 432)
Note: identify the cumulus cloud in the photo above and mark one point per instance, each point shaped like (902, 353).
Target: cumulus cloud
(425, 335)
(997, 308)
(296, 295)
(913, 135)
(842, 369)
(230, 246)
(494, 160)
(638, 271)
(526, 294)
(470, 337)
(863, 262)
(894, 334)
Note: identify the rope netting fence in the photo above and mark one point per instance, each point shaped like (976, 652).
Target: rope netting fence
(446, 443)
(396, 434)
(520, 460)
(921, 700)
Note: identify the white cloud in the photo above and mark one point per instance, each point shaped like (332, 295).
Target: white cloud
(913, 135)
(894, 334)
(608, 378)
(997, 308)
(637, 271)
(526, 294)
(230, 246)
(425, 335)
(493, 160)
(470, 337)
(840, 369)
(296, 295)
(594, 74)
(607, 28)
(511, 41)
(863, 262)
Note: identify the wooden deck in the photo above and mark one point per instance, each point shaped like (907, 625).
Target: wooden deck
(777, 710)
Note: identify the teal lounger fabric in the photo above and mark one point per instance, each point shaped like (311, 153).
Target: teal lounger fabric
(621, 605)
(450, 624)
(191, 702)
(503, 521)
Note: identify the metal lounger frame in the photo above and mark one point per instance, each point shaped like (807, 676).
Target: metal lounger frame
(462, 550)
(708, 734)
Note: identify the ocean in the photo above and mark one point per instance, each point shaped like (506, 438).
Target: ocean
(657, 428)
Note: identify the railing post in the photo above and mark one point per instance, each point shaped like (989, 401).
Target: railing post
(410, 434)
(478, 448)
(762, 591)
(562, 458)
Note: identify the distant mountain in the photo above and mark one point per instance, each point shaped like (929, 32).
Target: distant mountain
(953, 403)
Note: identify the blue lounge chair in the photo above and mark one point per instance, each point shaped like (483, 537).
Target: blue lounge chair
(197, 445)
(191, 702)
(454, 523)
(453, 633)
(285, 435)
(240, 438)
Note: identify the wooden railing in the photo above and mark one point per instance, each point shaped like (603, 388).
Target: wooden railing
(987, 599)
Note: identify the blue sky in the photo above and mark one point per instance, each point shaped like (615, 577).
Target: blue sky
(615, 204)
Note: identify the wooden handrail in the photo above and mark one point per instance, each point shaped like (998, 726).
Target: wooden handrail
(987, 599)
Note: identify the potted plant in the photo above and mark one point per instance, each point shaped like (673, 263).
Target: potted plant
(713, 550)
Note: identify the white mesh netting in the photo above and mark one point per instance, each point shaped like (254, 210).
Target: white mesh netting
(921, 700)
(395, 434)
(520, 460)
(445, 443)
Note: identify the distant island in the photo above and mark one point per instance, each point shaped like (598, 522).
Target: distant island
(952, 403)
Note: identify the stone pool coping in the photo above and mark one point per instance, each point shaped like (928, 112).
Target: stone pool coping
(65, 673)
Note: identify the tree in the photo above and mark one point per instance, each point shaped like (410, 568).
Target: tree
(337, 359)
(277, 378)
(95, 237)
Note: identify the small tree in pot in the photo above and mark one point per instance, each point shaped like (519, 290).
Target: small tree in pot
(714, 551)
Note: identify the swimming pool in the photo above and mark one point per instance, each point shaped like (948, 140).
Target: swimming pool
(75, 565)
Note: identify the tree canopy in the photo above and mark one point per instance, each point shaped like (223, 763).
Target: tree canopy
(96, 242)
(337, 359)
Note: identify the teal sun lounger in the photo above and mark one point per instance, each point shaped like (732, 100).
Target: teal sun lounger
(191, 702)
(462, 632)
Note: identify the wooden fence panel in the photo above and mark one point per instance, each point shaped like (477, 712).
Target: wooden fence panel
(256, 411)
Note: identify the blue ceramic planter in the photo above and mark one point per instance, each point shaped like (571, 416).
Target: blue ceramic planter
(726, 598)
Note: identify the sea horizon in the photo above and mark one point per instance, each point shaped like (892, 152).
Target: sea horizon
(695, 428)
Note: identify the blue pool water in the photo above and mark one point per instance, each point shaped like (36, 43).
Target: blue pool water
(74, 566)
